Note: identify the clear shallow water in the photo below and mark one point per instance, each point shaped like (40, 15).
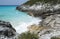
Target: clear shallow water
(19, 20)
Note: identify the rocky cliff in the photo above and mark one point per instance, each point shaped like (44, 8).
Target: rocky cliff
(50, 27)
(7, 31)
(52, 22)
(49, 10)
(40, 9)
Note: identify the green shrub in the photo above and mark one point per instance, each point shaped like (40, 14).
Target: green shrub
(55, 38)
(31, 2)
(28, 35)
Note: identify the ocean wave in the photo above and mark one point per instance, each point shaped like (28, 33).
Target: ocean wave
(22, 26)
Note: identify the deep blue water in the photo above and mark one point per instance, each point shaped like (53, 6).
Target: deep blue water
(18, 19)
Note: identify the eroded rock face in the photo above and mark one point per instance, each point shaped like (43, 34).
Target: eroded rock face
(40, 9)
(7, 31)
(50, 27)
(53, 22)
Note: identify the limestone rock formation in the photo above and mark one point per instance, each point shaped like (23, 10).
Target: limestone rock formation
(36, 28)
(50, 13)
(40, 9)
(7, 31)
(53, 24)
(52, 21)
(50, 27)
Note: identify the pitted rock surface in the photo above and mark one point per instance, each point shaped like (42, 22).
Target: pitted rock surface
(7, 31)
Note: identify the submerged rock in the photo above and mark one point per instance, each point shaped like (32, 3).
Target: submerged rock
(7, 31)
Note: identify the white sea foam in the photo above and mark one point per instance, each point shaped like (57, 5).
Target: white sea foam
(22, 26)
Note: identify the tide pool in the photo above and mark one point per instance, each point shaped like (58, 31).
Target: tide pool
(19, 20)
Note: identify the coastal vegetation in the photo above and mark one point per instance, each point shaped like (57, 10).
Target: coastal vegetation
(55, 38)
(31, 2)
(28, 35)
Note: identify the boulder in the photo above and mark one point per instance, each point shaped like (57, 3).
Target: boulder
(7, 31)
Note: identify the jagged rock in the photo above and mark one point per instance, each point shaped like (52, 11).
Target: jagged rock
(7, 31)
(50, 27)
(53, 22)
(34, 28)
(40, 9)
(38, 29)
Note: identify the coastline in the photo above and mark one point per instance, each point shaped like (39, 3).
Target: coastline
(50, 18)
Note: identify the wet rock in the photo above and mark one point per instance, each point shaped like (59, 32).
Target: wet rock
(7, 31)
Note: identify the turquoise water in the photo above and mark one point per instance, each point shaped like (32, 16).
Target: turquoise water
(10, 13)
(18, 19)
